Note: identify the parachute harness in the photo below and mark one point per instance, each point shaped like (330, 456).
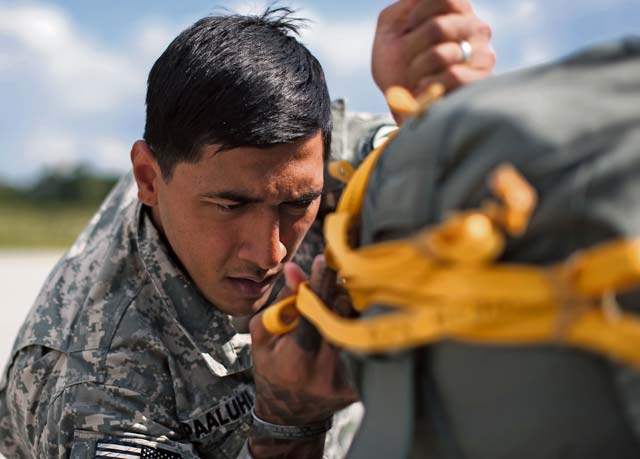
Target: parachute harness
(445, 283)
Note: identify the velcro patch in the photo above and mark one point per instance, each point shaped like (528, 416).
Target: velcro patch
(228, 412)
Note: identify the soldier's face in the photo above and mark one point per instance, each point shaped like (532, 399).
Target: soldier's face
(234, 218)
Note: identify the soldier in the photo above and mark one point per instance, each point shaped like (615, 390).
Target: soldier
(129, 350)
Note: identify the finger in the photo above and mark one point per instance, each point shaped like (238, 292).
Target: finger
(444, 55)
(293, 276)
(445, 28)
(318, 268)
(425, 10)
(395, 17)
(453, 77)
(260, 336)
(306, 335)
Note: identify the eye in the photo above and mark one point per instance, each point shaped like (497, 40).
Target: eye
(301, 204)
(229, 207)
(299, 207)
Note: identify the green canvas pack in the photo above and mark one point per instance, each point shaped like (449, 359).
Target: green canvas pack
(572, 128)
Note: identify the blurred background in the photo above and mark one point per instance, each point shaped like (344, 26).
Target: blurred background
(72, 86)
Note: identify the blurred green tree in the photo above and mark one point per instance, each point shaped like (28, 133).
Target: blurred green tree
(54, 209)
(78, 186)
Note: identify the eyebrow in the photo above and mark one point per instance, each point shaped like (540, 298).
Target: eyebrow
(243, 198)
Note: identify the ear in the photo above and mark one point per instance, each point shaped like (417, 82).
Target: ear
(146, 172)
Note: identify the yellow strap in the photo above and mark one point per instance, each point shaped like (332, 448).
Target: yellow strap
(353, 194)
(498, 316)
(444, 283)
(280, 318)
(402, 102)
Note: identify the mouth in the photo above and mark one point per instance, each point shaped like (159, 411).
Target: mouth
(252, 287)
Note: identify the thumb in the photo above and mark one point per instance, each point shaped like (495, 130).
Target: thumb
(293, 276)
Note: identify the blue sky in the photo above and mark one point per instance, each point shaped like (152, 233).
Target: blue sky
(72, 73)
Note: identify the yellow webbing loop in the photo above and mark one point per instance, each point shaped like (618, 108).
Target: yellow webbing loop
(402, 102)
(275, 317)
(443, 283)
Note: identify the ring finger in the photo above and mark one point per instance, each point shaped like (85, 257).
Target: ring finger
(444, 55)
(445, 28)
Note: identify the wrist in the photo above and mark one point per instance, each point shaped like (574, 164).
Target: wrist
(297, 412)
(259, 447)
(262, 427)
(268, 440)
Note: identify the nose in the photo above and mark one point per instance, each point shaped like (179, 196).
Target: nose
(262, 246)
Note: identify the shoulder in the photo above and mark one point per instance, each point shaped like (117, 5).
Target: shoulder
(92, 282)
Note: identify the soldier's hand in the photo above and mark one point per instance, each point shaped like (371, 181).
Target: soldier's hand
(418, 42)
(295, 385)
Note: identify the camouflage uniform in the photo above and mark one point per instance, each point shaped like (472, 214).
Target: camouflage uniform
(121, 354)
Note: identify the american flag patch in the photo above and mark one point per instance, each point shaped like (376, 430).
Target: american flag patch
(132, 449)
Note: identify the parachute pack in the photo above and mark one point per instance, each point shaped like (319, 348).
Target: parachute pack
(496, 269)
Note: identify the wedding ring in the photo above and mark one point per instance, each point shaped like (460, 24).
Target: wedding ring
(467, 51)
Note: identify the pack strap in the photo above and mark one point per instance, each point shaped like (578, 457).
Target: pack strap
(445, 282)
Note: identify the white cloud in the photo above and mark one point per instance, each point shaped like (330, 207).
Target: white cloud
(113, 153)
(516, 26)
(51, 148)
(342, 46)
(504, 16)
(61, 150)
(40, 28)
(153, 35)
(80, 75)
(531, 32)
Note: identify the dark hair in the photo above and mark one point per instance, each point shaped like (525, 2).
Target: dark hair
(235, 81)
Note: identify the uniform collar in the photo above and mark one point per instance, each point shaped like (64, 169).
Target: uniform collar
(210, 330)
